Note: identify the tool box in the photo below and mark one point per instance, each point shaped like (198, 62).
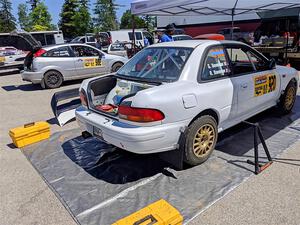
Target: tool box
(29, 133)
(157, 213)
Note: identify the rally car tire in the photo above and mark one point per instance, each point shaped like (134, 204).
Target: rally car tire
(288, 98)
(200, 140)
(53, 79)
(116, 67)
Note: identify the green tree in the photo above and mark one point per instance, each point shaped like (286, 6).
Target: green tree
(7, 20)
(105, 15)
(126, 21)
(150, 22)
(67, 21)
(40, 18)
(82, 18)
(23, 17)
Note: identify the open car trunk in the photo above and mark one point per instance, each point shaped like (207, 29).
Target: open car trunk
(106, 94)
(22, 41)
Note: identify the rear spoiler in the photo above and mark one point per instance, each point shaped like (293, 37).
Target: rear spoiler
(66, 111)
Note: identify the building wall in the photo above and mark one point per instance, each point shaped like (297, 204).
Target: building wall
(196, 25)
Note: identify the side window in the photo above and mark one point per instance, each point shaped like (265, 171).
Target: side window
(90, 39)
(138, 36)
(84, 51)
(58, 52)
(215, 64)
(240, 61)
(259, 62)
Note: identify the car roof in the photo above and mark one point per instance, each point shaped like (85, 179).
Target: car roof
(48, 47)
(193, 43)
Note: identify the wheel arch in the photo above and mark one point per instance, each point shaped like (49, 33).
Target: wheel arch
(293, 81)
(211, 112)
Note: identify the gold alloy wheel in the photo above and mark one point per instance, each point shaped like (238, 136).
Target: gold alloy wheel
(289, 98)
(204, 140)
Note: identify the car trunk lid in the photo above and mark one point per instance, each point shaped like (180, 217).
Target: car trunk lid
(22, 41)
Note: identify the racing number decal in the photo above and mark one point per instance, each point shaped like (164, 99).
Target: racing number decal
(92, 63)
(272, 83)
(264, 84)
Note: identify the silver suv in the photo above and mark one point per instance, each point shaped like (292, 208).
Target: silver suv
(51, 65)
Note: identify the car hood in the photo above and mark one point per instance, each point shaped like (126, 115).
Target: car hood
(20, 40)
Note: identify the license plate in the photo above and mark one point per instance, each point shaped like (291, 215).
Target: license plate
(97, 132)
(2, 59)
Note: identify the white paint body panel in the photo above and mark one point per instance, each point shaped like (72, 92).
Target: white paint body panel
(231, 98)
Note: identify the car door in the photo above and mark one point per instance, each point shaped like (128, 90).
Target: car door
(62, 58)
(215, 82)
(266, 80)
(249, 82)
(89, 61)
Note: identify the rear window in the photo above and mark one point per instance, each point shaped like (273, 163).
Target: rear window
(117, 47)
(163, 64)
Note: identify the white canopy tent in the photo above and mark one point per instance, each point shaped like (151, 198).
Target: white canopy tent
(207, 7)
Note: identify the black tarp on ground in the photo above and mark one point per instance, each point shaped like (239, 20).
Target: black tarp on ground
(100, 184)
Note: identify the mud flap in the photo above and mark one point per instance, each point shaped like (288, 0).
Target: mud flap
(175, 157)
(65, 111)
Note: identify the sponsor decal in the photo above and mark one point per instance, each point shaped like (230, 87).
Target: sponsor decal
(92, 62)
(217, 53)
(264, 84)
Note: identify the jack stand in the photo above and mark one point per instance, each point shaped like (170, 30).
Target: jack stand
(257, 132)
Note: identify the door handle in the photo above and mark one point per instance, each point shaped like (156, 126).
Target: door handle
(244, 85)
(79, 60)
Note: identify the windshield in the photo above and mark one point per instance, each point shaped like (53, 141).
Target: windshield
(163, 64)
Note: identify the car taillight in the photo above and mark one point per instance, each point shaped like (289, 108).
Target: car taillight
(39, 53)
(83, 98)
(141, 115)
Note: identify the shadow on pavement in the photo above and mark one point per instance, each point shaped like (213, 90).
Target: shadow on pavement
(23, 87)
(35, 87)
(112, 165)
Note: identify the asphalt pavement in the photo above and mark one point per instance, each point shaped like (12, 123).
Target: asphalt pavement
(272, 197)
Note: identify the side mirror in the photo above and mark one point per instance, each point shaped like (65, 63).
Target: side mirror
(272, 64)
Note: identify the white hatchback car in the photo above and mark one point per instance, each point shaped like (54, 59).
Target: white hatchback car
(51, 65)
(191, 89)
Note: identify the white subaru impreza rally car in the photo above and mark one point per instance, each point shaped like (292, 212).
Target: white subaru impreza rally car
(190, 89)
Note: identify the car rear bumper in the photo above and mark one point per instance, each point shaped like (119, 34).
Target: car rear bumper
(34, 77)
(140, 140)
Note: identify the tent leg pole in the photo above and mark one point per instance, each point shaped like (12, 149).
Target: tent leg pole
(133, 34)
(232, 23)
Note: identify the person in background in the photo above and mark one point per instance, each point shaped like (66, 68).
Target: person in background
(146, 42)
(167, 36)
(98, 42)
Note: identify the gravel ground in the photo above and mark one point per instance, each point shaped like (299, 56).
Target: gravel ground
(273, 197)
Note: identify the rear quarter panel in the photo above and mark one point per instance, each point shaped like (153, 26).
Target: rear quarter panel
(44, 64)
(171, 99)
